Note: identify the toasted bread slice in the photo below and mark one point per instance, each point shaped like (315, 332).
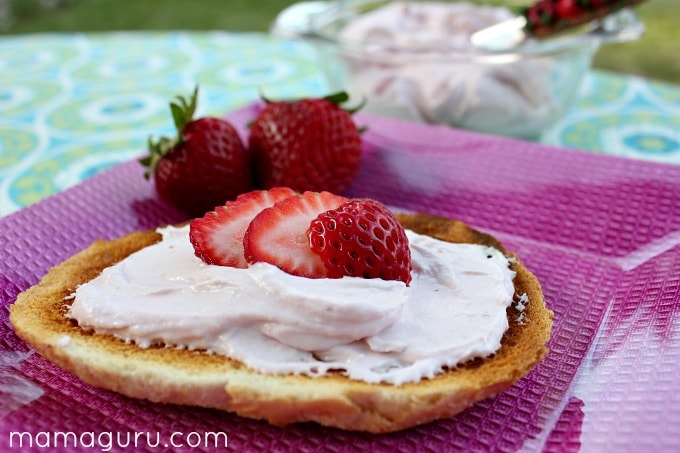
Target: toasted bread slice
(196, 378)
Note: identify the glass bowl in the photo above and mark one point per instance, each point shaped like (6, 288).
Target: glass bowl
(417, 64)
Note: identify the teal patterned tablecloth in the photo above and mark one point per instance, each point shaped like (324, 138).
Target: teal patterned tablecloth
(72, 105)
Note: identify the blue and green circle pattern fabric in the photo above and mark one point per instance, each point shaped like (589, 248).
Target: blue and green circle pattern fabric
(72, 105)
(624, 116)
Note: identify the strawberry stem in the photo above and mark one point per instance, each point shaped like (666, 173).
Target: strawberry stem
(361, 105)
(182, 113)
(341, 97)
(337, 98)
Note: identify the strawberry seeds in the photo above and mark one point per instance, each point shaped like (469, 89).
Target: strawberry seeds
(313, 235)
(273, 201)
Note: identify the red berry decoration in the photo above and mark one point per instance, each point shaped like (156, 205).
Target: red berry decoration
(547, 17)
(568, 9)
(540, 15)
(278, 235)
(204, 166)
(217, 237)
(307, 145)
(361, 238)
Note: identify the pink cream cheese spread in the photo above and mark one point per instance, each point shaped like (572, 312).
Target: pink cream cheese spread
(370, 329)
(460, 88)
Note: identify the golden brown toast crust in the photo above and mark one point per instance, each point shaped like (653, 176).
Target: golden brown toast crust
(196, 378)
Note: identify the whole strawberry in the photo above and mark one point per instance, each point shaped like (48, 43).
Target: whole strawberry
(307, 144)
(204, 166)
(361, 238)
(546, 17)
(569, 9)
(541, 16)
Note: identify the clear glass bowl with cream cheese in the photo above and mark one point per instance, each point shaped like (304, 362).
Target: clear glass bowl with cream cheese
(414, 60)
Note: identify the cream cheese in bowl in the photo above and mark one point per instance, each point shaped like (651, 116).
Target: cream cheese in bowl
(415, 60)
(440, 90)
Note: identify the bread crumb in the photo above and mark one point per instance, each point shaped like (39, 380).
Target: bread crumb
(64, 341)
(520, 306)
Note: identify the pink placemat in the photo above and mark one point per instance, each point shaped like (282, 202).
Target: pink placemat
(602, 234)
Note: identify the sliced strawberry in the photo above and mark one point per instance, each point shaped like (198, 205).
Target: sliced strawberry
(361, 238)
(278, 235)
(217, 237)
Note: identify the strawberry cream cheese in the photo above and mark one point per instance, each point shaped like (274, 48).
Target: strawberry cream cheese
(370, 329)
(460, 86)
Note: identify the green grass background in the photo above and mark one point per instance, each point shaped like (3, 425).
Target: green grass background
(656, 55)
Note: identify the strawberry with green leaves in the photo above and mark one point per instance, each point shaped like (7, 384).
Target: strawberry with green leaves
(306, 144)
(204, 166)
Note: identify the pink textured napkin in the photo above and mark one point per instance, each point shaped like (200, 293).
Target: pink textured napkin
(602, 234)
